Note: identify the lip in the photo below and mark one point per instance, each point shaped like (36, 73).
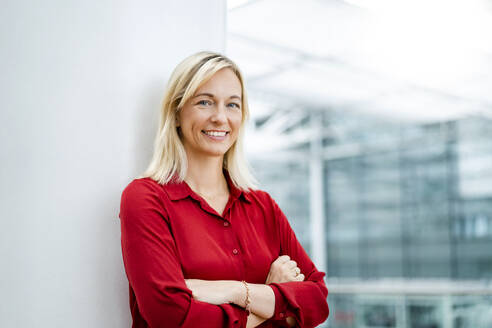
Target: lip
(216, 131)
(216, 138)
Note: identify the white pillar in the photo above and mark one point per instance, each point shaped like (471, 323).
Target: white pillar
(317, 213)
(80, 91)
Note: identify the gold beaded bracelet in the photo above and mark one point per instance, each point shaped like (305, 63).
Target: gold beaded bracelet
(247, 301)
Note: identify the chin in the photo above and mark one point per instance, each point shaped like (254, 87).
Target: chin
(216, 152)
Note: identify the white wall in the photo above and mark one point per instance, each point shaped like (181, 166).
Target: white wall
(80, 87)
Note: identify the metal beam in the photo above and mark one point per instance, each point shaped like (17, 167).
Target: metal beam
(317, 197)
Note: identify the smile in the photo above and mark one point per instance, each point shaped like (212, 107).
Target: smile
(215, 133)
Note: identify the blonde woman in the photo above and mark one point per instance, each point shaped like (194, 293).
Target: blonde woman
(202, 247)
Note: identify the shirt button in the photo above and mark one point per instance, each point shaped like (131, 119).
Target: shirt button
(235, 251)
(226, 224)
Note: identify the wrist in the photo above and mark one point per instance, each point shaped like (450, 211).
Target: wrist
(238, 293)
(247, 299)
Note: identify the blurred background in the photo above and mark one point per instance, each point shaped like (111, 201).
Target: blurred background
(372, 127)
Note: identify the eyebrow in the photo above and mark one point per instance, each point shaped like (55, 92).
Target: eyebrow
(211, 95)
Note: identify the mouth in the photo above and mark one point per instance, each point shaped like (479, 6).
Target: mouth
(215, 134)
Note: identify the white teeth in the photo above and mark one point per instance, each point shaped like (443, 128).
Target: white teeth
(215, 133)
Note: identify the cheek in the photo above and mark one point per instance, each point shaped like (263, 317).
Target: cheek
(187, 131)
(237, 127)
(236, 121)
(191, 125)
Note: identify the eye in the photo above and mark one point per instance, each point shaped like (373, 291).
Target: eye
(234, 105)
(204, 102)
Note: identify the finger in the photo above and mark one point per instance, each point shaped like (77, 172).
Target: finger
(295, 272)
(291, 264)
(299, 277)
(283, 259)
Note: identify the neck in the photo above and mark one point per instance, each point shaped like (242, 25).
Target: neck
(204, 175)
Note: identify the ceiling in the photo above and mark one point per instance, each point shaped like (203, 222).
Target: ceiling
(413, 61)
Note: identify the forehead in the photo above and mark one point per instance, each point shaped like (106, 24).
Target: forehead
(224, 82)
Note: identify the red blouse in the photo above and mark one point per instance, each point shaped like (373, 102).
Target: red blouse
(169, 233)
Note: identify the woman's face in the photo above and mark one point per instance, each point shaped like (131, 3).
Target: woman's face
(211, 118)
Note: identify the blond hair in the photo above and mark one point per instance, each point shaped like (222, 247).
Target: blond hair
(169, 161)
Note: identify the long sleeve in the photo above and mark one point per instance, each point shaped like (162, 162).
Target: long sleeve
(306, 300)
(153, 269)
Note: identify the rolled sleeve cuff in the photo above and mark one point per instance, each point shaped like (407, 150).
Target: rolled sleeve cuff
(223, 315)
(238, 317)
(281, 306)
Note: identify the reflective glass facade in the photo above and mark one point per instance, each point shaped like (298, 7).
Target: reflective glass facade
(401, 201)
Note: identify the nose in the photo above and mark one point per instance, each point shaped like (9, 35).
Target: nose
(219, 115)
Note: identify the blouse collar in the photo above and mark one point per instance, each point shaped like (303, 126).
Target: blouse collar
(181, 190)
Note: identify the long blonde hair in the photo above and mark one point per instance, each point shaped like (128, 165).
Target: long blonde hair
(169, 157)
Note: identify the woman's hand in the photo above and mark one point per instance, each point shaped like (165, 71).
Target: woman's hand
(218, 292)
(283, 269)
(213, 291)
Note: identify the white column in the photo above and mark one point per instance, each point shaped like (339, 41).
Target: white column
(317, 213)
(81, 85)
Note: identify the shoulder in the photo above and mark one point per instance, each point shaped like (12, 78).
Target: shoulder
(271, 212)
(142, 194)
(257, 194)
(261, 197)
(143, 207)
(141, 187)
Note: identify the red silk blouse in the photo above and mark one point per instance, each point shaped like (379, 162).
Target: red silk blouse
(169, 233)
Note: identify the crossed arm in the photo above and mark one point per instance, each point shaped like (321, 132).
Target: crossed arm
(262, 297)
(161, 296)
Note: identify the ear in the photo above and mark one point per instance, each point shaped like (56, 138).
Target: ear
(177, 120)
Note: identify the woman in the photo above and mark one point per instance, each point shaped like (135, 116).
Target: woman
(201, 246)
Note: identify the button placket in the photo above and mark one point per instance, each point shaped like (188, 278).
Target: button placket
(235, 250)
